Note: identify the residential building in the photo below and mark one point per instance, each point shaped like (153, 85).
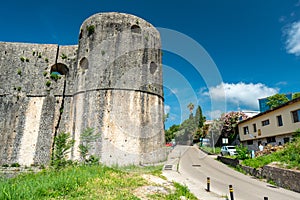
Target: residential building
(274, 127)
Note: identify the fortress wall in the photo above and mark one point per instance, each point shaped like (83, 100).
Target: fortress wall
(28, 109)
(132, 132)
(119, 81)
(112, 82)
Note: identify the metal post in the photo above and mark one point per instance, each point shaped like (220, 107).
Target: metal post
(231, 192)
(213, 142)
(208, 184)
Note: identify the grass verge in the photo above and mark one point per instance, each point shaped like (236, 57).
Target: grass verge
(84, 182)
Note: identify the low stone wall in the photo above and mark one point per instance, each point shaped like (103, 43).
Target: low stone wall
(228, 161)
(282, 177)
(10, 172)
(285, 178)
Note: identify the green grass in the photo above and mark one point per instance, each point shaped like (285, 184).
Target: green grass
(210, 149)
(289, 157)
(84, 182)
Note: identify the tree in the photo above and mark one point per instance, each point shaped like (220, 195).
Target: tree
(199, 121)
(191, 108)
(62, 144)
(230, 121)
(169, 134)
(86, 138)
(276, 100)
(296, 95)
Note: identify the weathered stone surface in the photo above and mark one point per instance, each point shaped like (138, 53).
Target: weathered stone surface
(111, 81)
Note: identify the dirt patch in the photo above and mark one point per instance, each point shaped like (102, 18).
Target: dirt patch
(156, 185)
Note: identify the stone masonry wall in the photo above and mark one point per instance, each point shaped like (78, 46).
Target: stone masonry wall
(111, 81)
(29, 109)
(119, 88)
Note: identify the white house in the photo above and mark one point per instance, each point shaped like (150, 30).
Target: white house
(274, 127)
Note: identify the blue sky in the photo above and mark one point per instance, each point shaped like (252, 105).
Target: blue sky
(243, 49)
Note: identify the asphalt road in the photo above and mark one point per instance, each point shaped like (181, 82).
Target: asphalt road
(196, 166)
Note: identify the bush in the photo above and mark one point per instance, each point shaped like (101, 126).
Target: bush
(48, 83)
(63, 56)
(55, 76)
(15, 165)
(242, 152)
(90, 29)
(62, 145)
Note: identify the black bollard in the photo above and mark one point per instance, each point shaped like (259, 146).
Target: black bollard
(231, 192)
(208, 184)
(266, 198)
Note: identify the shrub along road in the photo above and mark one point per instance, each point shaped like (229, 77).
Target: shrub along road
(195, 166)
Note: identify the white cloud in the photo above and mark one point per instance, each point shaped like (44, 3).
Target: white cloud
(167, 109)
(242, 94)
(293, 38)
(214, 114)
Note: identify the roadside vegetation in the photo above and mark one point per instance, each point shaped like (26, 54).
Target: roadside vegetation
(86, 182)
(285, 157)
(288, 157)
(216, 150)
(89, 179)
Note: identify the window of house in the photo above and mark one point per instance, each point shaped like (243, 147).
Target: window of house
(279, 120)
(246, 130)
(265, 122)
(249, 142)
(254, 128)
(286, 140)
(296, 116)
(271, 139)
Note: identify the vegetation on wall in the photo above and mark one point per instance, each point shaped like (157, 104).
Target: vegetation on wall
(63, 56)
(48, 83)
(90, 30)
(54, 76)
(19, 72)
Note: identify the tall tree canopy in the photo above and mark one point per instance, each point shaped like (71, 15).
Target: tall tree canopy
(276, 100)
(296, 95)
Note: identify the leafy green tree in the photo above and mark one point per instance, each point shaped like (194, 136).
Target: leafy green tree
(169, 134)
(62, 144)
(276, 100)
(296, 95)
(199, 120)
(86, 138)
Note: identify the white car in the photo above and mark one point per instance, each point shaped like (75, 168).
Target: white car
(228, 150)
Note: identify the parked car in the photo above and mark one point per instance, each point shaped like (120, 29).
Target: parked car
(228, 150)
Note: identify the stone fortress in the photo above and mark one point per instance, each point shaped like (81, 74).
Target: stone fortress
(111, 81)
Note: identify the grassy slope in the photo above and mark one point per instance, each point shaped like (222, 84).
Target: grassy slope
(83, 182)
(289, 157)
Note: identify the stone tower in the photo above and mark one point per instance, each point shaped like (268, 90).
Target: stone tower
(118, 88)
(111, 81)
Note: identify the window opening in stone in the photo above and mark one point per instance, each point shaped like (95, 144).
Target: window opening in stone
(153, 67)
(136, 29)
(84, 63)
(59, 69)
